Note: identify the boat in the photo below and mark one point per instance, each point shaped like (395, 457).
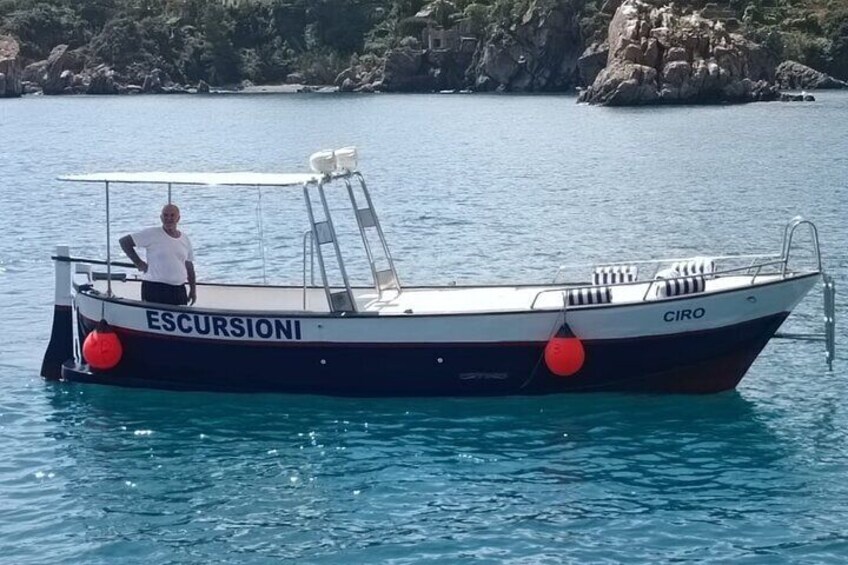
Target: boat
(678, 325)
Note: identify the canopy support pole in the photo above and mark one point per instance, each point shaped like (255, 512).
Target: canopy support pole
(108, 245)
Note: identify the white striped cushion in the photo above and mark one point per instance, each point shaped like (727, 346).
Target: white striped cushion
(614, 274)
(667, 273)
(589, 295)
(680, 286)
(696, 266)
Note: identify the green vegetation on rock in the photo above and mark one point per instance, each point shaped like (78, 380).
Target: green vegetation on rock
(312, 41)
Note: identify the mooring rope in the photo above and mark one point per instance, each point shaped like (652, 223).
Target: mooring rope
(558, 323)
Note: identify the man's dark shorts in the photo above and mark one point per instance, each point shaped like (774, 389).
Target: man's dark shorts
(162, 293)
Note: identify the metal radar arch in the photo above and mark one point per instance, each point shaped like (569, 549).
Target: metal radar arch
(341, 164)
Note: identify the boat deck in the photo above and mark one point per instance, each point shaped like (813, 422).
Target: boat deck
(417, 300)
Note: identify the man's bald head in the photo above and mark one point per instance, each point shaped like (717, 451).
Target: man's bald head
(170, 216)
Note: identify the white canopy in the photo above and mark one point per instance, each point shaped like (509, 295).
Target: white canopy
(219, 179)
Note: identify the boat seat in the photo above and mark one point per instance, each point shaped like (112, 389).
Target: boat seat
(704, 266)
(679, 286)
(614, 274)
(589, 295)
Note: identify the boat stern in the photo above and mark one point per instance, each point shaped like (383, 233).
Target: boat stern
(61, 345)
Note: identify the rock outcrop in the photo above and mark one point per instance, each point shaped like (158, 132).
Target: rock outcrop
(405, 71)
(803, 97)
(408, 69)
(158, 81)
(153, 82)
(10, 68)
(102, 81)
(60, 69)
(592, 62)
(792, 75)
(34, 72)
(661, 55)
(537, 54)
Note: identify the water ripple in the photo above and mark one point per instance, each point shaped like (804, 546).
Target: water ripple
(98, 475)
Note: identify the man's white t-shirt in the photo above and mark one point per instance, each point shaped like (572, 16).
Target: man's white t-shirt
(166, 255)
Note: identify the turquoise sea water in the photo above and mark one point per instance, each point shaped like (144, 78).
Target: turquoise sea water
(470, 188)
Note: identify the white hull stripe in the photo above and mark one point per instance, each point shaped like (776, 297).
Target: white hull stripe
(690, 313)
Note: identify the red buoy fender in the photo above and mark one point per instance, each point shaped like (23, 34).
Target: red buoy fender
(102, 349)
(564, 353)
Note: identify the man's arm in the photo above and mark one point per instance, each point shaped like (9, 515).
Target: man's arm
(192, 283)
(128, 246)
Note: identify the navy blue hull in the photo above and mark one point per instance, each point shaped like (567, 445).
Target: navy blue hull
(61, 344)
(698, 362)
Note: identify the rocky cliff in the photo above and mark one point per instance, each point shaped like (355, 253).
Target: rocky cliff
(792, 75)
(625, 52)
(538, 53)
(660, 54)
(10, 68)
(652, 52)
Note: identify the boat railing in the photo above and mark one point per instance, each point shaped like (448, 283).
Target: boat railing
(829, 291)
(789, 233)
(754, 270)
(83, 266)
(308, 241)
(758, 267)
(758, 261)
(663, 262)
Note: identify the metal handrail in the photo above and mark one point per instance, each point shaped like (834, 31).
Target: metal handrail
(91, 261)
(306, 237)
(367, 246)
(781, 260)
(713, 274)
(661, 261)
(333, 239)
(379, 228)
(791, 225)
(564, 292)
(651, 282)
(789, 233)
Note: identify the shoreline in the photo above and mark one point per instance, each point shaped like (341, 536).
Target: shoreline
(788, 95)
(291, 89)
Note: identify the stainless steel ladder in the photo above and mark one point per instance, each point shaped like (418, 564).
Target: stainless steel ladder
(829, 290)
(385, 278)
(324, 234)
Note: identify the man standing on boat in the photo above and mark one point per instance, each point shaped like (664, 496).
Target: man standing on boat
(170, 261)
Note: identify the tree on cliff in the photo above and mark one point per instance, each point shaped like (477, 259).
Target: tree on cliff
(264, 40)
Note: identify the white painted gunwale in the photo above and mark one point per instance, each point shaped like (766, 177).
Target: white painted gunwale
(722, 306)
(423, 300)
